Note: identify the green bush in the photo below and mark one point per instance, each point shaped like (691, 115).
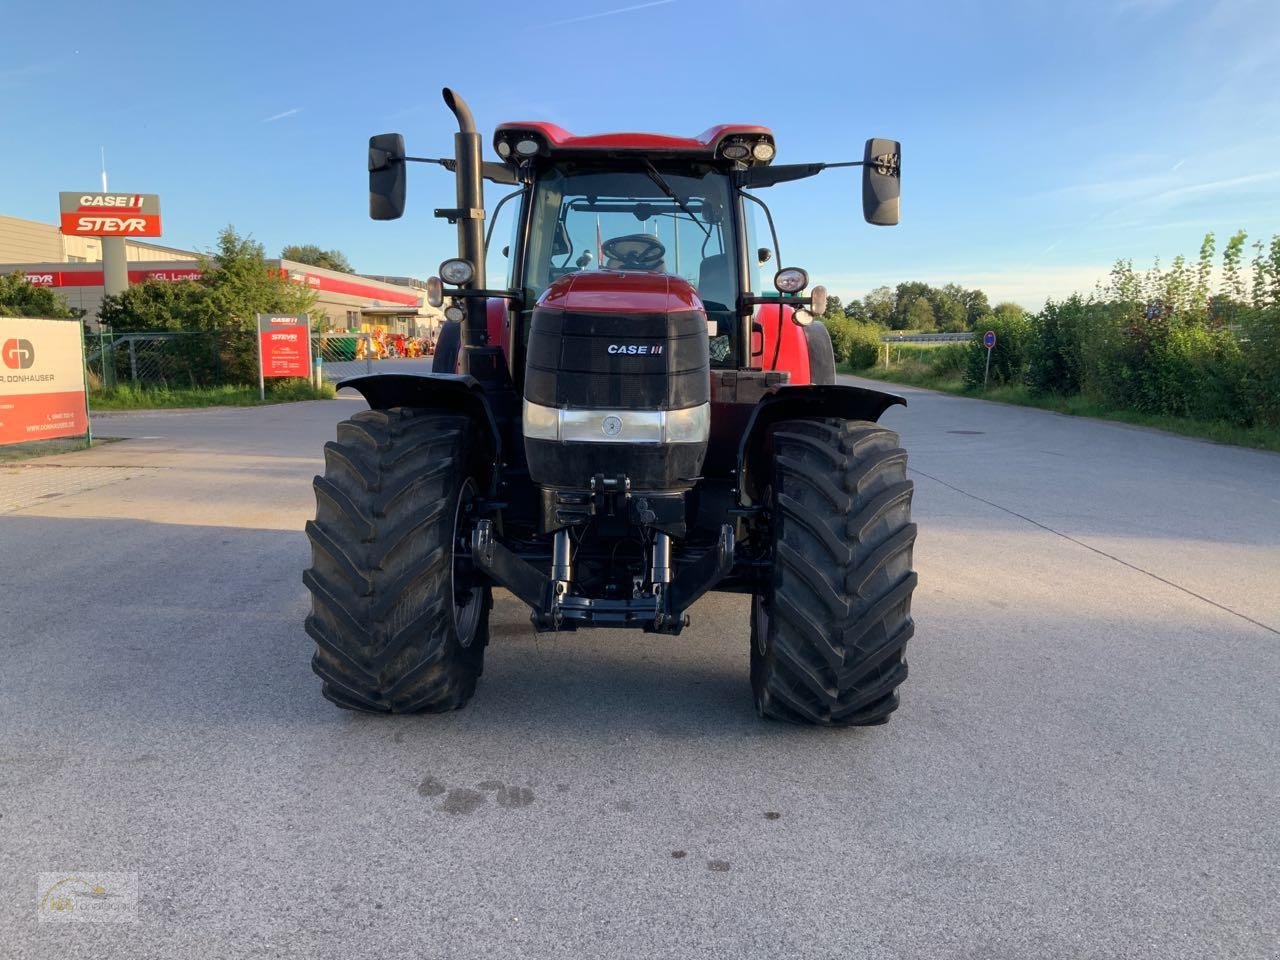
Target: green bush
(1055, 361)
(854, 343)
(841, 331)
(1260, 358)
(864, 349)
(1009, 358)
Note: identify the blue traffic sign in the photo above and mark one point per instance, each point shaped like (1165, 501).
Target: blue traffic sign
(989, 339)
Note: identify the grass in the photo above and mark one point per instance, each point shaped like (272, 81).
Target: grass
(128, 397)
(914, 373)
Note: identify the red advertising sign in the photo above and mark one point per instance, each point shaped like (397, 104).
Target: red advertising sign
(285, 342)
(110, 214)
(42, 393)
(93, 278)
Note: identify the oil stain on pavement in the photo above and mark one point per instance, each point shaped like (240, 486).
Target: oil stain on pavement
(466, 800)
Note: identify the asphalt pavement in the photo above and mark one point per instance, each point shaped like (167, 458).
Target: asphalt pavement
(1084, 765)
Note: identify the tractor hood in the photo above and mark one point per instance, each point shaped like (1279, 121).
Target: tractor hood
(621, 291)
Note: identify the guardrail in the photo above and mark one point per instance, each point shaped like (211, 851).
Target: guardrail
(927, 337)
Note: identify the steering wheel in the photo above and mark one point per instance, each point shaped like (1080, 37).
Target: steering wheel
(635, 251)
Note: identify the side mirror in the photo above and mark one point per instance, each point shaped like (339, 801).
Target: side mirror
(763, 256)
(881, 181)
(386, 176)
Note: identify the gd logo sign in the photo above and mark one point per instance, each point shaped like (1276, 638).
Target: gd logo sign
(18, 354)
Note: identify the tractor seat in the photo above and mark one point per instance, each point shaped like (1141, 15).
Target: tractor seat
(715, 282)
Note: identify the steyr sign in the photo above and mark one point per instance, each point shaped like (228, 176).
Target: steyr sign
(110, 214)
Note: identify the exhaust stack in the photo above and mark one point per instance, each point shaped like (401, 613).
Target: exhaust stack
(467, 150)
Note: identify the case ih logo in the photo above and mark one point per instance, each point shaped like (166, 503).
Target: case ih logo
(18, 354)
(110, 214)
(636, 349)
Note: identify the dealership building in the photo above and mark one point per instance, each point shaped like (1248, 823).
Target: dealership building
(73, 267)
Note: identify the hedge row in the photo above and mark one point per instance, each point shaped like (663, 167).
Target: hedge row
(1143, 357)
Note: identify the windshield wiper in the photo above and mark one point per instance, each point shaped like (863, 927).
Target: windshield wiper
(665, 187)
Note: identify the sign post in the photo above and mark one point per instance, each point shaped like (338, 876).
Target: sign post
(42, 381)
(284, 348)
(988, 341)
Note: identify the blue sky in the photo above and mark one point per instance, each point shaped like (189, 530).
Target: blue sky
(1040, 140)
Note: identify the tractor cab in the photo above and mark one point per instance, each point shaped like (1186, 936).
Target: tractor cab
(642, 202)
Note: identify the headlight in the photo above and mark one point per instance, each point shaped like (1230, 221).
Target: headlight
(763, 151)
(526, 148)
(790, 280)
(818, 300)
(457, 272)
(541, 423)
(802, 316)
(690, 425)
(504, 149)
(454, 313)
(736, 151)
(435, 291)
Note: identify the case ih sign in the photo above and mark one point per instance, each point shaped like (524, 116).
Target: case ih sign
(285, 344)
(110, 214)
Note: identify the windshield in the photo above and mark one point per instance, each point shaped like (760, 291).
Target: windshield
(663, 221)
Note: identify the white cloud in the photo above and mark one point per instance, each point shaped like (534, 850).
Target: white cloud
(1213, 186)
(280, 116)
(605, 13)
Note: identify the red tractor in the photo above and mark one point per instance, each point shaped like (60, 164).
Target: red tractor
(630, 421)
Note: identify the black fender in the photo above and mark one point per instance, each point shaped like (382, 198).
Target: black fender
(755, 449)
(452, 392)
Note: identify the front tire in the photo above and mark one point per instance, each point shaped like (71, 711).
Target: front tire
(822, 356)
(448, 346)
(395, 630)
(829, 630)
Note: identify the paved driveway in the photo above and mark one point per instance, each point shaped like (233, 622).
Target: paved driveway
(1084, 765)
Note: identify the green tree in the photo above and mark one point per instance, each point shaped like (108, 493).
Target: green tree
(18, 298)
(157, 305)
(236, 284)
(856, 310)
(834, 307)
(1233, 285)
(1009, 312)
(976, 308)
(880, 306)
(1201, 289)
(905, 297)
(242, 284)
(949, 308)
(314, 256)
(920, 315)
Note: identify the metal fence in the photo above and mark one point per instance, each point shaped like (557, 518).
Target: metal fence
(173, 360)
(191, 359)
(343, 355)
